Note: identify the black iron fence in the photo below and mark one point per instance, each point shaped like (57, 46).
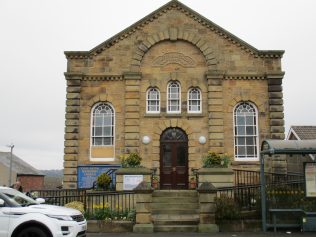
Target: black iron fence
(252, 177)
(119, 201)
(282, 189)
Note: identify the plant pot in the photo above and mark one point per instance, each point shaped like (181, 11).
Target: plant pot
(155, 184)
(192, 184)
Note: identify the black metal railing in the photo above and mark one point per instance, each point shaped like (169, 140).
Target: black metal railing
(119, 201)
(252, 177)
(247, 196)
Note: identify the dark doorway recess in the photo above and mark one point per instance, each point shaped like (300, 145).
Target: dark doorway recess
(173, 159)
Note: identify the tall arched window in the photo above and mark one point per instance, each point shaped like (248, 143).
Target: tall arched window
(153, 101)
(173, 100)
(194, 101)
(246, 131)
(103, 118)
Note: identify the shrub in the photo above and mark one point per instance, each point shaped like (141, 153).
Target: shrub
(103, 181)
(131, 161)
(76, 205)
(226, 208)
(214, 160)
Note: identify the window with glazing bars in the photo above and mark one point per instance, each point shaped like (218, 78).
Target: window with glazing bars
(194, 100)
(173, 105)
(153, 100)
(103, 125)
(246, 131)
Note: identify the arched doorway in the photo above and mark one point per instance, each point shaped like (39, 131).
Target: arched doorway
(173, 159)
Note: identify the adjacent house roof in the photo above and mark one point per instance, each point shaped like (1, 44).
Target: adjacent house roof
(174, 4)
(302, 133)
(18, 165)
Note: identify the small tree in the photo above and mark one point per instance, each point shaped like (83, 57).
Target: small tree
(103, 181)
(132, 160)
(214, 160)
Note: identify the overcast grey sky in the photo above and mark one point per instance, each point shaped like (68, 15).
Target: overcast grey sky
(34, 34)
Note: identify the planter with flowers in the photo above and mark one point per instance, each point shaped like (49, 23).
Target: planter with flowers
(216, 170)
(132, 173)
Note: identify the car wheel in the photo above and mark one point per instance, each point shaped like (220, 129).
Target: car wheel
(33, 232)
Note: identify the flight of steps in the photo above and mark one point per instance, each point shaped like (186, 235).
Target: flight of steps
(175, 210)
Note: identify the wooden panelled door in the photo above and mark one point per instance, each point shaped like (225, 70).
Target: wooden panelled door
(173, 159)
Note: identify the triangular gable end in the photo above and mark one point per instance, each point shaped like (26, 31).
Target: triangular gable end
(174, 4)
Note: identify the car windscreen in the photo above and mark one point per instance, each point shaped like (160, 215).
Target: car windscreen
(17, 198)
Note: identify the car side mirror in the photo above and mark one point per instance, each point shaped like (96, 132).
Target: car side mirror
(2, 204)
(40, 200)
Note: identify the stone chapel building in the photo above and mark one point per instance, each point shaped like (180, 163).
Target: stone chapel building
(172, 86)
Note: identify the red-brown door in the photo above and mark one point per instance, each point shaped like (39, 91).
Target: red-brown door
(173, 159)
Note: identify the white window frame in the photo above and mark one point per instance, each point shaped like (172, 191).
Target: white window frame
(169, 98)
(92, 126)
(148, 100)
(256, 136)
(190, 99)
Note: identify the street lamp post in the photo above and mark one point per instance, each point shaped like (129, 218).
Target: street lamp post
(10, 169)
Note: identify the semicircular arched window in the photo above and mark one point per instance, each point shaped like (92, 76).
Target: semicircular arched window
(174, 97)
(103, 118)
(246, 131)
(153, 100)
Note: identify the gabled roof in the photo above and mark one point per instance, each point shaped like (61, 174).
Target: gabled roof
(19, 166)
(302, 132)
(174, 4)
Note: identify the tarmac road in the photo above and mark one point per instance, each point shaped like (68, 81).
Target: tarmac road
(221, 234)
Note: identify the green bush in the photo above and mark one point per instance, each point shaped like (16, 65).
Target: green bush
(214, 160)
(103, 181)
(226, 208)
(132, 160)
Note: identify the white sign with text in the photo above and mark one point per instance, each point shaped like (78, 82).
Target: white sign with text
(131, 181)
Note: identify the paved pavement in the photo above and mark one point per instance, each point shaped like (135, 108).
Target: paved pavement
(221, 234)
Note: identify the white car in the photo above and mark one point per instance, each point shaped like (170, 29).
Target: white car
(21, 216)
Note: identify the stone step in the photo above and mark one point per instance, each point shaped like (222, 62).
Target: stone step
(175, 193)
(175, 219)
(175, 199)
(175, 228)
(174, 211)
(174, 206)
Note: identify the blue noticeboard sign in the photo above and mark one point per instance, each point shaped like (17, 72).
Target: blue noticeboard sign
(87, 174)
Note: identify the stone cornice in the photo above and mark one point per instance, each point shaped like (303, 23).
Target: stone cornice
(103, 78)
(227, 76)
(174, 5)
(92, 77)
